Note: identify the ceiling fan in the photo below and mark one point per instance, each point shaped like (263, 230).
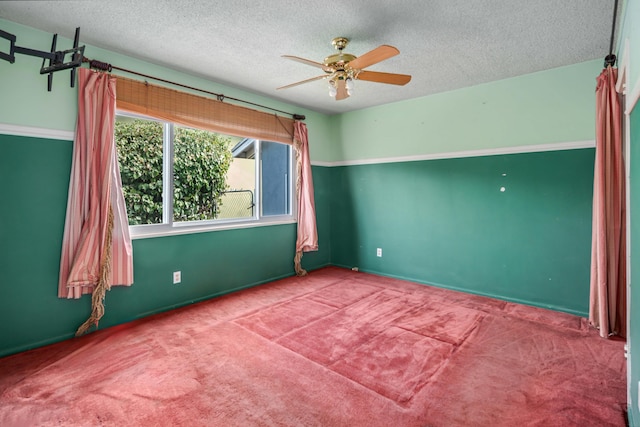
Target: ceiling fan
(342, 69)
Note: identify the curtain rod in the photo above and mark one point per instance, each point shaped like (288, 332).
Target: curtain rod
(611, 58)
(104, 66)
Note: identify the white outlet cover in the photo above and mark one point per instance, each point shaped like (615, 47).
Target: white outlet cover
(177, 277)
(379, 252)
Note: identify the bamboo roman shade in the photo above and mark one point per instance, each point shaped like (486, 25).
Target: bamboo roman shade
(200, 112)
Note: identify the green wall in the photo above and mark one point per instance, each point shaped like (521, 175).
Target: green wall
(444, 221)
(629, 38)
(447, 223)
(630, 31)
(547, 107)
(634, 332)
(35, 173)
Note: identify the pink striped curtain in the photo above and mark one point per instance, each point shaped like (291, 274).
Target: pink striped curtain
(307, 239)
(607, 305)
(96, 246)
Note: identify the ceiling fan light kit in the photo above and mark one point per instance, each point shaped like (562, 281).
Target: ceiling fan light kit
(342, 69)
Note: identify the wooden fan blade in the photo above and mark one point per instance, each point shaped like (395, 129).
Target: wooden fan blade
(373, 57)
(302, 82)
(389, 78)
(342, 90)
(309, 62)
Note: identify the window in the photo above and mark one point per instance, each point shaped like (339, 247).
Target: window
(177, 179)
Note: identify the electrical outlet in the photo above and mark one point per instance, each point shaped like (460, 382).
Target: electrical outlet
(177, 277)
(379, 252)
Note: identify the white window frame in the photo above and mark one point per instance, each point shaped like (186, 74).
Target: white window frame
(169, 227)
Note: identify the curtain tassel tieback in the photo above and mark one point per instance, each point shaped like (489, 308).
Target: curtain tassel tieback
(297, 265)
(103, 285)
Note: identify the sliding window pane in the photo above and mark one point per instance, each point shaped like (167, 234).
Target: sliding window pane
(201, 161)
(238, 201)
(275, 177)
(139, 145)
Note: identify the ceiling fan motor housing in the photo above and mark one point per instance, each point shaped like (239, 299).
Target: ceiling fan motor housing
(339, 60)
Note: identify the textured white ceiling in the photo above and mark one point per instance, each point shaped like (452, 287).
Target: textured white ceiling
(444, 44)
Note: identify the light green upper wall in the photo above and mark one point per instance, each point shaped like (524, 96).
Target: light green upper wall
(630, 32)
(541, 108)
(26, 101)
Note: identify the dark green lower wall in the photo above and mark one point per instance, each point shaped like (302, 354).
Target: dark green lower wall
(443, 222)
(323, 194)
(35, 177)
(447, 223)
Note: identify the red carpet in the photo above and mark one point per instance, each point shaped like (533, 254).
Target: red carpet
(336, 348)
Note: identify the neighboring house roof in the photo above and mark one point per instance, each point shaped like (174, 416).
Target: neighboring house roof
(245, 149)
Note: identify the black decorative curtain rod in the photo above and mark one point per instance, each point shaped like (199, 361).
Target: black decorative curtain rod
(611, 58)
(103, 66)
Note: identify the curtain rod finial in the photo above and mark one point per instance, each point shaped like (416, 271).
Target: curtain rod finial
(299, 117)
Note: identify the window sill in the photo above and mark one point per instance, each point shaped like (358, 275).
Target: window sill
(162, 230)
